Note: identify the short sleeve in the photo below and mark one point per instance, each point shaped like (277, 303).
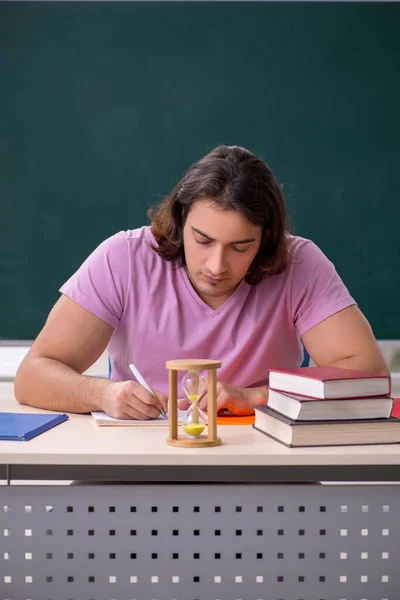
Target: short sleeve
(317, 290)
(99, 285)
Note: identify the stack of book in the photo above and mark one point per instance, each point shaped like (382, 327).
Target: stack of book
(328, 406)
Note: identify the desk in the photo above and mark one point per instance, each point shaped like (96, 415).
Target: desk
(202, 524)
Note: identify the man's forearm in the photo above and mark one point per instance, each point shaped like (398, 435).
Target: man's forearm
(47, 383)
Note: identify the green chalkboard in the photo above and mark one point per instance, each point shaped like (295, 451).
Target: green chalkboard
(103, 106)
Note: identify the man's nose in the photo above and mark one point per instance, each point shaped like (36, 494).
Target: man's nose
(216, 263)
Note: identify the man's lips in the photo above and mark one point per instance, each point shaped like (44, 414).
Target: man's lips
(213, 279)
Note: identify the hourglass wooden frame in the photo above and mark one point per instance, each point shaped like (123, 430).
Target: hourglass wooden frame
(173, 367)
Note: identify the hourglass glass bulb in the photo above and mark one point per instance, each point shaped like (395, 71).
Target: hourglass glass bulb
(194, 420)
(193, 384)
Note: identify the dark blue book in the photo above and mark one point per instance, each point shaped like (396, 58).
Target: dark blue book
(21, 427)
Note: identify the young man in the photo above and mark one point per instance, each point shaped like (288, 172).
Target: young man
(216, 275)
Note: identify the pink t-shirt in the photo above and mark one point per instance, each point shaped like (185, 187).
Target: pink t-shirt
(157, 315)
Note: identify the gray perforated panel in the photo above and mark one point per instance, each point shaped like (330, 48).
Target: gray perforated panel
(199, 542)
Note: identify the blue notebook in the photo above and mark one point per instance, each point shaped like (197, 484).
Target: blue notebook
(22, 427)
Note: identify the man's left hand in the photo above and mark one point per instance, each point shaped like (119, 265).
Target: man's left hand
(237, 400)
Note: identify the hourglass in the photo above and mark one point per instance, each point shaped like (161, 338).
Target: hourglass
(194, 421)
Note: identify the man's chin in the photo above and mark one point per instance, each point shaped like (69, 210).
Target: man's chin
(214, 291)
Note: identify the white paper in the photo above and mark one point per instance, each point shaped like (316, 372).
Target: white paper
(102, 418)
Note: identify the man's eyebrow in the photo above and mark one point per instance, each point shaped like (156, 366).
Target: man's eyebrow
(246, 241)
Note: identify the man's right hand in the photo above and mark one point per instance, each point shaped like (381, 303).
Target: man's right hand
(129, 400)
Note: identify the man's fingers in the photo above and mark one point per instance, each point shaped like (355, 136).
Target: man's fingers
(134, 415)
(203, 402)
(183, 404)
(162, 400)
(130, 400)
(128, 412)
(145, 402)
(157, 399)
(222, 402)
(135, 405)
(144, 395)
(146, 410)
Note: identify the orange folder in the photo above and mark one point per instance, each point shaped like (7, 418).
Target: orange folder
(228, 419)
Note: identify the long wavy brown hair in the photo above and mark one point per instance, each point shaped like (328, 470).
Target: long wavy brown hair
(231, 178)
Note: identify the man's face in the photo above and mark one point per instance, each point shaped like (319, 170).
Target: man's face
(220, 246)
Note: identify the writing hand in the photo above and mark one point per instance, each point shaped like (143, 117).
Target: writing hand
(129, 400)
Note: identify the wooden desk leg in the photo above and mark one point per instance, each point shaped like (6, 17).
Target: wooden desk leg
(212, 404)
(173, 404)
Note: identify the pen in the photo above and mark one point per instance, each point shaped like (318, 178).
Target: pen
(139, 377)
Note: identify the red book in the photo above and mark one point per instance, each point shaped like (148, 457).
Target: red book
(396, 408)
(329, 382)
